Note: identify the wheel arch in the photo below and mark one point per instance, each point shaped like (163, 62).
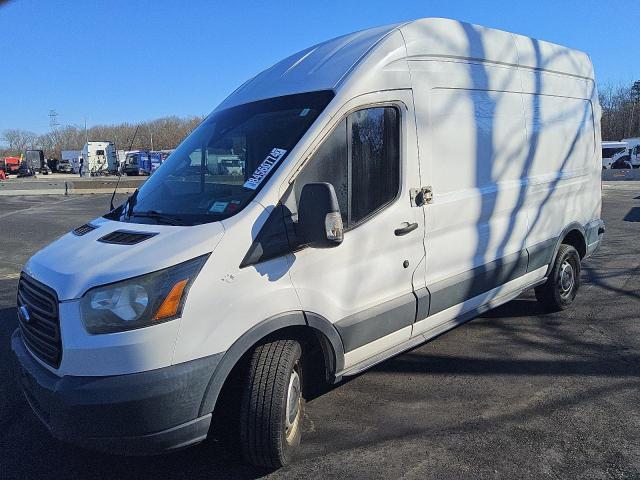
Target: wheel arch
(573, 234)
(296, 323)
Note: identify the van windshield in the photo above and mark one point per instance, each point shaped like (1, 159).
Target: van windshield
(224, 162)
(608, 152)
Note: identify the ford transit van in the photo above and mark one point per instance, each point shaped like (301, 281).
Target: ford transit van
(615, 154)
(385, 186)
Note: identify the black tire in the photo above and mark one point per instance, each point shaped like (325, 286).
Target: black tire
(560, 289)
(269, 434)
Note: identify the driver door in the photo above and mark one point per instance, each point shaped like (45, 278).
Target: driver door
(365, 286)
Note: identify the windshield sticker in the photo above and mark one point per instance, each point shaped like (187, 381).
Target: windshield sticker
(234, 206)
(218, 207)
(265, 167)
(304, 112)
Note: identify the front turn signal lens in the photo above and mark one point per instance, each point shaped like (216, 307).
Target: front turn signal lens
(171, 303)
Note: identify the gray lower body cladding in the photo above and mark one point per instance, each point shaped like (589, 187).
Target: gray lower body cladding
(140, 413)
(364, 327)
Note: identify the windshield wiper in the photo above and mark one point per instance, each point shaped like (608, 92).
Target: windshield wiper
(159, 217)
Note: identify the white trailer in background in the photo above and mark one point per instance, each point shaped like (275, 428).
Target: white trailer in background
(99, 158)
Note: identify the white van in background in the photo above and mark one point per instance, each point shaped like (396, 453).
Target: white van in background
(633, 150)
(615, 154)
(335, 239)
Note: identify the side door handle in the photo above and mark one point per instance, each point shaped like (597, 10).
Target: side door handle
(408, 227)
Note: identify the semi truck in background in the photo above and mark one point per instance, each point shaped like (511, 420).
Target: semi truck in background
(137, 162)
(33, 163)
(99, 158)
(143, 162)
(156, 159)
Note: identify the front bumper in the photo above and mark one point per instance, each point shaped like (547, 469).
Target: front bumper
(137, 414)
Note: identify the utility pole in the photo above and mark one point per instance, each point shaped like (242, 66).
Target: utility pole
(86, 136)
(150, 135)
(53, 119)
(53, 123)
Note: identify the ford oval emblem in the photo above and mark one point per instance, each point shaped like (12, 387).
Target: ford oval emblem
(23, 311)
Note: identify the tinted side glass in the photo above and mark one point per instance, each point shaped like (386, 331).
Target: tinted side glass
(329, 164)
(361, 159)
(375, 160)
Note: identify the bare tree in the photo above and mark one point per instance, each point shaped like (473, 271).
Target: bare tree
(167, 133)
(620, 111)
(19, 140)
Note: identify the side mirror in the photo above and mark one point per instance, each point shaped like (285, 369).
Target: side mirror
(319, 219)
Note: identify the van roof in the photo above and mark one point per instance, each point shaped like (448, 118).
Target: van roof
(327, 65)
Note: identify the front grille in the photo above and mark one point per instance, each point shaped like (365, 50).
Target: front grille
(41, 332)
(125, 237)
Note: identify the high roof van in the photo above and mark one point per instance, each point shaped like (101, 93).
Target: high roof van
(614, 153)
(387, 186)
(633, 150)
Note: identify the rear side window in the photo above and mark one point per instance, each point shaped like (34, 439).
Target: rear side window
(361, 159)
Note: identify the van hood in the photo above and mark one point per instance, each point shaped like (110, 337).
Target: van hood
(73, 264)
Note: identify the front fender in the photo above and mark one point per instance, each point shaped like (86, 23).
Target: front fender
(334, 359)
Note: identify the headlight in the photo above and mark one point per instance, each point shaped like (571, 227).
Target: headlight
(140, 301)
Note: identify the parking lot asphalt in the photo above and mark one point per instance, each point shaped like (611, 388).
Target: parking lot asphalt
(516, 393)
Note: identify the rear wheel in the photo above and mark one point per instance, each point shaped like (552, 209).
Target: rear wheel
(560, 289)
(272, 404)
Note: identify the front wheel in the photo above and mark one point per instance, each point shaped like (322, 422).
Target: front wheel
(272, 404)
(560, 289)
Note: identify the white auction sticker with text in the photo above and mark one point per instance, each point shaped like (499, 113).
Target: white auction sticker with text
(265, 167)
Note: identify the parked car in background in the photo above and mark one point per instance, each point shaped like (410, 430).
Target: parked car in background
(52, 163)
(69, 161)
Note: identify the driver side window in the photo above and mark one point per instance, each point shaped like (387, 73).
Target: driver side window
(361, 159)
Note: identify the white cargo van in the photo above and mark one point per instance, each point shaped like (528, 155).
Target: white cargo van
(346, 239)
(615, 154)
(633, 149)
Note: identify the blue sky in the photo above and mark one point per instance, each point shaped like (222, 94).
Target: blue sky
(115, 61)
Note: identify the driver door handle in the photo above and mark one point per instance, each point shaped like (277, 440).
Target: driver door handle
(408, 227)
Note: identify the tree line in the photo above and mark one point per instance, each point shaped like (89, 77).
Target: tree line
(620, 119)
(160, 134)
(620, 111)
